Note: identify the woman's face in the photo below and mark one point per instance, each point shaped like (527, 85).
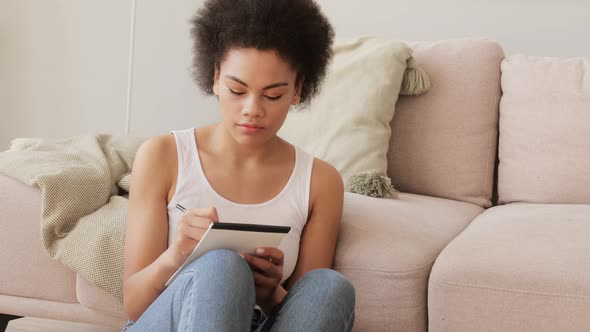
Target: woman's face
(255, 90)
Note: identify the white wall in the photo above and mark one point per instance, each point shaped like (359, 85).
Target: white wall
(63, 67)
(73, 67)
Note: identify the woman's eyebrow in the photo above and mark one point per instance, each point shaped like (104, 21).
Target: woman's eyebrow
(274, 85)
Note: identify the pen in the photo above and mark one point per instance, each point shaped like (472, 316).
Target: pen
(181, 208)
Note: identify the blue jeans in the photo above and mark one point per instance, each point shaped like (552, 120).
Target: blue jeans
(216, 292)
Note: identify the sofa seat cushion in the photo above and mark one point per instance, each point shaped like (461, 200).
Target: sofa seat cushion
(98, 299)
(518, 267)
(386, 249)
(71, 312)
(26, 269)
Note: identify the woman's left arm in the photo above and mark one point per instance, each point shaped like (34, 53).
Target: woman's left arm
(318, 238)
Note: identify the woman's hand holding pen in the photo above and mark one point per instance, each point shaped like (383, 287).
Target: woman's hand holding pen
(191, 228)
(267, 268)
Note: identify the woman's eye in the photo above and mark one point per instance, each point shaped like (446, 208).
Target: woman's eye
(235, 92)
(243, 93)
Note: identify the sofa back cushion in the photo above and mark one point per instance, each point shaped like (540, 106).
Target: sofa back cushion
(444, 142)
(544, 145)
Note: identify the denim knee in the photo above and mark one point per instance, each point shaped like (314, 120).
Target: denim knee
(335, 287)
(222, 262)
(223, 271)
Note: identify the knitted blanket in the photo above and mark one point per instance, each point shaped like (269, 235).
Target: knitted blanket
(84, 183)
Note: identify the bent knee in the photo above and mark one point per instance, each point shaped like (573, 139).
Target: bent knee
(335, 285)
(221, 261)
(223, 255)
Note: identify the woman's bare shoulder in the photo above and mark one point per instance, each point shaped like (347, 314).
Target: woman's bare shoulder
(326, 183)
(160, 146)
(160, 152)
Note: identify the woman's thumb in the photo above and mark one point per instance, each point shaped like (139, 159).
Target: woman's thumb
(212, 214)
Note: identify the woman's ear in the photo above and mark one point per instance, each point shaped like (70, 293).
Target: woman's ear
(216, 82)
(297, 95)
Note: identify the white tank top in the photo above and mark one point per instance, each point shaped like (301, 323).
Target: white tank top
(288, 208)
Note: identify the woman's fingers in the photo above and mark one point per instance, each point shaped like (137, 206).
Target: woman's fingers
(193, 227)
(274, 255)
(209, 213)
(197, 233)
(199, 222)
(262, 280)
(269, 269)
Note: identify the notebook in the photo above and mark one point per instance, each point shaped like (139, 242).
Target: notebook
(238, 237)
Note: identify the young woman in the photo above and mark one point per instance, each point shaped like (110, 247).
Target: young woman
(259, 58)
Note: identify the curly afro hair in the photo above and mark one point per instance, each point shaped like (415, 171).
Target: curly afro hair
(296, 29)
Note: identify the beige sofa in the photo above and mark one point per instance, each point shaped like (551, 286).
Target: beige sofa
(490, 232)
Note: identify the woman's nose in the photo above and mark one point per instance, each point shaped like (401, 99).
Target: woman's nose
(253, 108)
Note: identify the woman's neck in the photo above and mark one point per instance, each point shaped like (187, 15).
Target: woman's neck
(222, 142)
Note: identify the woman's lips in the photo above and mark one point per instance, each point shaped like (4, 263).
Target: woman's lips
(250, 129)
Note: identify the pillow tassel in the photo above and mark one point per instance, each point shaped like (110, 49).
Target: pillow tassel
(415, 80)
(371, 184)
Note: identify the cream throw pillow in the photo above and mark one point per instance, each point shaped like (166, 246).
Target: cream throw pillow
(348, 123)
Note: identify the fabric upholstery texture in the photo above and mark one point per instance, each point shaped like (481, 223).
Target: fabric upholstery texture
(443, 142)
(82, 215)
(22, 255)
(518, 267)
(545, 130)
(387, 247)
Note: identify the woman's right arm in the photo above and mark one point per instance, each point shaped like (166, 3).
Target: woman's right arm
(149, 260)
(148, 264)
